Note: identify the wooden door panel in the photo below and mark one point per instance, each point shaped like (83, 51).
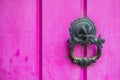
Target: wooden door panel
(106, 14)
(57, 16)
(18, 40)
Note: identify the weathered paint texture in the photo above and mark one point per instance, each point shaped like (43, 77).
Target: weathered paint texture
(18, 40)
(57, 16)
(106, 15)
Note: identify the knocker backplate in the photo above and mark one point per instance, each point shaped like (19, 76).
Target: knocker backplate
(83, 32)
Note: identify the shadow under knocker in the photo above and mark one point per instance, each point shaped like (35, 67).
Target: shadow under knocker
(83, 32)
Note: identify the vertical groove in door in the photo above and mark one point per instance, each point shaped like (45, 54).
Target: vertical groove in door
(39, 34)
(84, 14)
(84, 8)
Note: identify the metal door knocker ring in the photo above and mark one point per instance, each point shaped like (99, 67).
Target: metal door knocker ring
(83, 32)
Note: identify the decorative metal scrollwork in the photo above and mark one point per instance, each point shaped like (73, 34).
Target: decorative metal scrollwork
(83, 32)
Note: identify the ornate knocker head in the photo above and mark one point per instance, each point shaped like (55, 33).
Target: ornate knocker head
(83, 32)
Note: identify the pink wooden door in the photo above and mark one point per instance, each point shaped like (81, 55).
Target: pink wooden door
(19, 56)
(57, 16)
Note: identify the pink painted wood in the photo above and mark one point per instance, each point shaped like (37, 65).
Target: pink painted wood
(57, 16)
(106, 16)
(19, 40)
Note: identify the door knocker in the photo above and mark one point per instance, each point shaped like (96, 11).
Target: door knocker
(83, 32)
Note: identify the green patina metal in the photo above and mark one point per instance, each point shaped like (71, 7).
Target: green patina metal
(83, 32)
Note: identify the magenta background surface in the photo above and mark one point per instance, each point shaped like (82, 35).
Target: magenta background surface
(57, 16)
(19, 56)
